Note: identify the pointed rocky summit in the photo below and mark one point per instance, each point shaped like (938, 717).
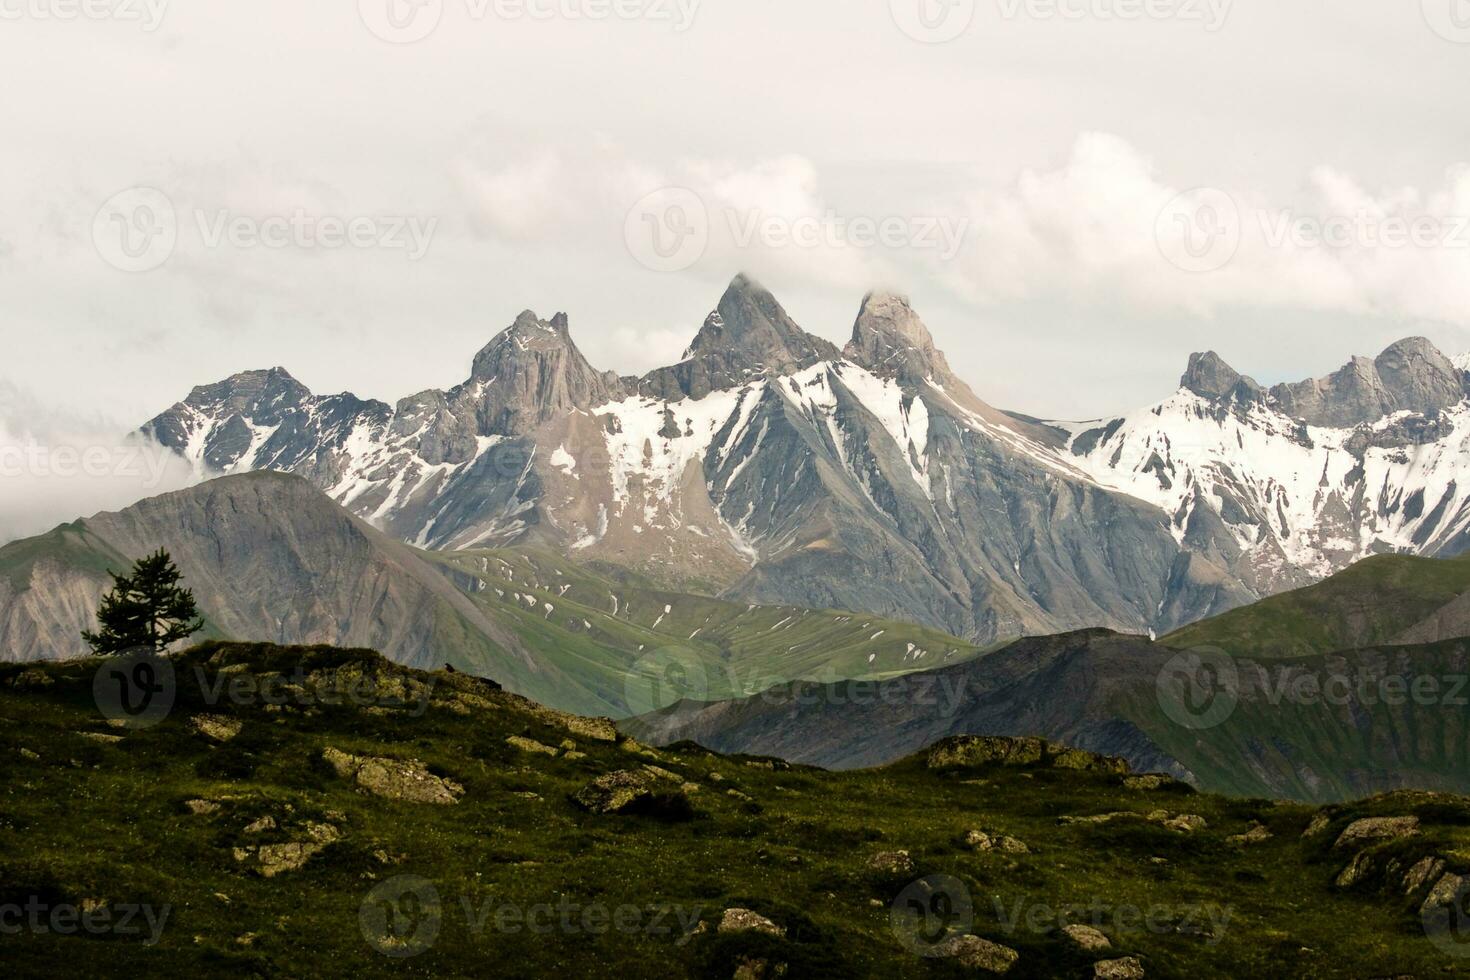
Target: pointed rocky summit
(748, 336)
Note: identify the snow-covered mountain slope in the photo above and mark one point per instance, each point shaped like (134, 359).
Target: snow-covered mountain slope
(1302, 497)
(770, 466)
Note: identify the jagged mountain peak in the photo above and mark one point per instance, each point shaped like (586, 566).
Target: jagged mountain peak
(266, 393)
(891, 340)
(1210, 377)
(1410, 375)
(747, 336)
(750, 320)
(533, 371)
(527, 333)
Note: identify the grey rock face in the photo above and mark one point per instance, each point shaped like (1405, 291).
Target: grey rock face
(1208, 375)
(531, 373)
(748, 336)
(890, 340)
(1410, 376)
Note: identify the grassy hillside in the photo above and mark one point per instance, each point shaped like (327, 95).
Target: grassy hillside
(270, 558)
(233, 826)
(1375, 601)
(635, 647)
(1317, 729)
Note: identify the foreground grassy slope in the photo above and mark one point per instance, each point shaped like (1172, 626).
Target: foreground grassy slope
(1376, 601)
(95, 815)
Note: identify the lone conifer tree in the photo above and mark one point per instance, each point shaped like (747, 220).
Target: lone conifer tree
(146, 610)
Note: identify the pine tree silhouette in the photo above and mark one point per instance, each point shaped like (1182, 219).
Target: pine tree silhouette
(145, 610)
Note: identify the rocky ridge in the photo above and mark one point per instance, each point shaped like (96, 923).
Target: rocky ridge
(772, 467)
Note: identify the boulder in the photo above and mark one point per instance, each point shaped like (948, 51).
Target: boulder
(394, 779)
(1447, 892)
(216, 728)
(616, 792)
(974, 953)
(1152, 781)
(892, 863)
(744, 920)
(967, 751)
(1124, 968)
(270, 860)
(1373, 830)
(1255, 835)
(1185, 823)
(530, 745)
(1087, 939)
(33, 679)
(1319, 823)
(978, 750)
(1358, 869)
(1421, 874)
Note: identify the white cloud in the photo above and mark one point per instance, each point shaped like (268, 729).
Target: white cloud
(56, 466)
(1089, 229)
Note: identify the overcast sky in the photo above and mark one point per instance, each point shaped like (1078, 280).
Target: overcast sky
(173, 170)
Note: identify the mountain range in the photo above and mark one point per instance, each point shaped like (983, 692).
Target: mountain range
(769, 466)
